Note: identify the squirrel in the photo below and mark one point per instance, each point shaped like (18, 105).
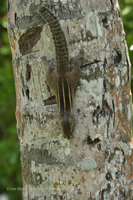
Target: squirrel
(64, 81)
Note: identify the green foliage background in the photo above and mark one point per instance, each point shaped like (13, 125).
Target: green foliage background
(10, 169)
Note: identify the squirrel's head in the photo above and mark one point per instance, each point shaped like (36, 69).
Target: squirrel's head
(67, 124)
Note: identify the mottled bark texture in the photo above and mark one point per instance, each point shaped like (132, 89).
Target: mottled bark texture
(97, 163)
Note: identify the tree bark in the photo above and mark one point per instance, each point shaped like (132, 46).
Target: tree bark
(97, 163)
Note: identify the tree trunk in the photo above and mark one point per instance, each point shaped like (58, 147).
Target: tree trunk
(97, 163)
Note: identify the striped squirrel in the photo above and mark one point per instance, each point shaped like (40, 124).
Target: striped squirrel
(64, 81)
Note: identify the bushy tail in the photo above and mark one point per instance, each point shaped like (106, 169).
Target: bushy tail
(58, 37)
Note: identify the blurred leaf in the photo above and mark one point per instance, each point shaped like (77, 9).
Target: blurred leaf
(128, 1)
(5, 50)
(126, 10)
(131, 48)
(5, 37)
(4, 23)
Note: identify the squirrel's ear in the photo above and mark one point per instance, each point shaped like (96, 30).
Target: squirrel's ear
(74, 75)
